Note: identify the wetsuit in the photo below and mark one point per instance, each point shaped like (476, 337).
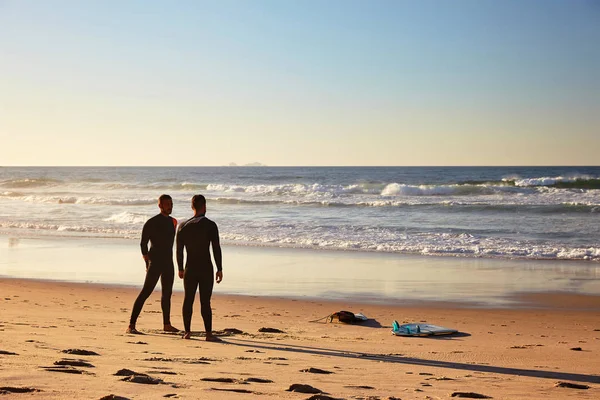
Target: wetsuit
(160, 232)
(196, 235)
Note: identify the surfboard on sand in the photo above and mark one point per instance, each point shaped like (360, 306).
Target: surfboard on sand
(420, 329)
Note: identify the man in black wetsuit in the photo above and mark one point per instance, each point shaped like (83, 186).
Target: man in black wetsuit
(196, 235)
(160, 232)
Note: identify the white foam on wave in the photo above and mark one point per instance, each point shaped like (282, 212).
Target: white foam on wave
(28, 182)
(56, 199)
(127, 218)
(93, 230)
(547, 181)
(298, 189)
(425, 244)
(397, 189)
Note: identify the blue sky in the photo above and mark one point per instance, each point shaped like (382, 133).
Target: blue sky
(300, 83)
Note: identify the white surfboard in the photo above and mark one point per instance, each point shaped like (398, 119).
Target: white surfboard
(420, 329)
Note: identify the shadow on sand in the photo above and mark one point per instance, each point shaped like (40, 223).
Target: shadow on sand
(413, 361)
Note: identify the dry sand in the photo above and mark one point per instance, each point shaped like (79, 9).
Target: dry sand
(502, 353)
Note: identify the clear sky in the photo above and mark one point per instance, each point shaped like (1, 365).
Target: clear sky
(331, 82)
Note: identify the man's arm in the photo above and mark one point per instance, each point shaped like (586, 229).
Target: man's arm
(180, 245)
(216, 248)
(145, 239)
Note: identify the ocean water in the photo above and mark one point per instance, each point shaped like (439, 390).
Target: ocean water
(547, 213)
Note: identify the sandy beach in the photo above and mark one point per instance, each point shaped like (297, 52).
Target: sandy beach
(500, 352)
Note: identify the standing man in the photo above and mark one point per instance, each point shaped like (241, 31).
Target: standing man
(160, 232)
(196, 235)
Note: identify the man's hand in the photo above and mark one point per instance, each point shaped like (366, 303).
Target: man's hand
(181, 274)
(146, 260)
(219, 276)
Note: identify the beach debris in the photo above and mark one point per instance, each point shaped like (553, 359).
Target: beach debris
(74, 363)
(143, 379)
(114, 397)
(301, 388)
(140, 342)
(470, 395)
(170, 395)
(233, 390)
(254, 351)
(440, 378)
(359, 387)
(258, 380)
(81, 352)
(316, 371)
(128, 372)
(576, 349)
(277, 358)
(270, 330)
(166, 372)
(571, 385)
(12, 389)
(8, 353)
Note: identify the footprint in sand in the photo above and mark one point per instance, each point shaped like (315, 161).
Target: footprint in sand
(470, 395)
(270, 330)
(7, 353)
(143, 379)
(359, 387)
(66, 369)
(316, 371)
(571, 385)
(302, 388)
(81, 352)
(233, 390)
(11, 389)
(258, 380)
(221, 380)
(74, 363)
(114, 397)
(128, 372)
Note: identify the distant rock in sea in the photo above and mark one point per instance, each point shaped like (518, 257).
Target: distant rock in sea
(253, 164)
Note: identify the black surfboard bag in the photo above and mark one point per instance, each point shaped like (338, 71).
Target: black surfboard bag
(346, 317)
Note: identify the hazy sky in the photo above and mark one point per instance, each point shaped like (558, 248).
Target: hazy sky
(465, 82)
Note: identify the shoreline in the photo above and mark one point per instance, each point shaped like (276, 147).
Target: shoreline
(302, 273)
(545, 301)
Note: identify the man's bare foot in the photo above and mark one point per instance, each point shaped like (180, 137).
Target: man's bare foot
(131, 330)
(187, 335)
(213, 338)
(170, 328)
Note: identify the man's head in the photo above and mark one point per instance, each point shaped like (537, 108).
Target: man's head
(199, 204)
(165, 203)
